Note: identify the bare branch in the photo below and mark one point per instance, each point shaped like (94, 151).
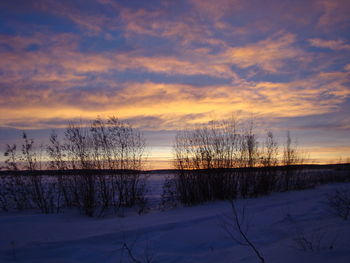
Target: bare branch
(238, 231)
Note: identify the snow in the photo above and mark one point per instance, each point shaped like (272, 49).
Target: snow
(185, 234)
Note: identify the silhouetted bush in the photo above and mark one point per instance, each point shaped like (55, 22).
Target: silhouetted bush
(224, 160)
(339, 203)
(110, 146)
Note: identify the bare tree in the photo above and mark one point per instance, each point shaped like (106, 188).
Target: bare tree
(209, 146)
(249, 146)
(291, 153)
(111, 145)
(203, 156)
(266, 177)
(206, 155)
(78, 145)
(40, 193)
(55, 151)
(292, 156)
(12, 158)
(58, 162)
(102, 145)
(127, 160)
(269, 152)
(29, 156)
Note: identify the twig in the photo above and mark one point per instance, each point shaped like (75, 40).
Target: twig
(239, 221)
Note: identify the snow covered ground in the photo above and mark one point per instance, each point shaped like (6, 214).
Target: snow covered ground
(185, 234)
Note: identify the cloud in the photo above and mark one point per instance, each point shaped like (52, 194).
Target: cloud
(182, 27)
(330, 44)
(58, 59)
(60, 81)
(270, 54)
(84, 16)
(176, 66)
(171, 103)
(334, 14)
(173, 64)
(216, 10)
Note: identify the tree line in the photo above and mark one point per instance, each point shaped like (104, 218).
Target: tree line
(104, 144)
(115, 144)
(99, 168)
(224, 160)
(207, 158)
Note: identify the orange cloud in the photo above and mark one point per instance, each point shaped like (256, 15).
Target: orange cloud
(171, 103)
(270, 54)
(175, 66)
(58, 59)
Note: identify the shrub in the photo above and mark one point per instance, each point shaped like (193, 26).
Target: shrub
(339, 203)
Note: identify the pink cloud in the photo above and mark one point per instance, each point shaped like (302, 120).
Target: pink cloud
(334, 13)
(331, 44)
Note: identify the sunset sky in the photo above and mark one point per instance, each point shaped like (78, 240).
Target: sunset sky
(166, 65)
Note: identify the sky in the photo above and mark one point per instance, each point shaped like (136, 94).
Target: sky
(167, 65)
